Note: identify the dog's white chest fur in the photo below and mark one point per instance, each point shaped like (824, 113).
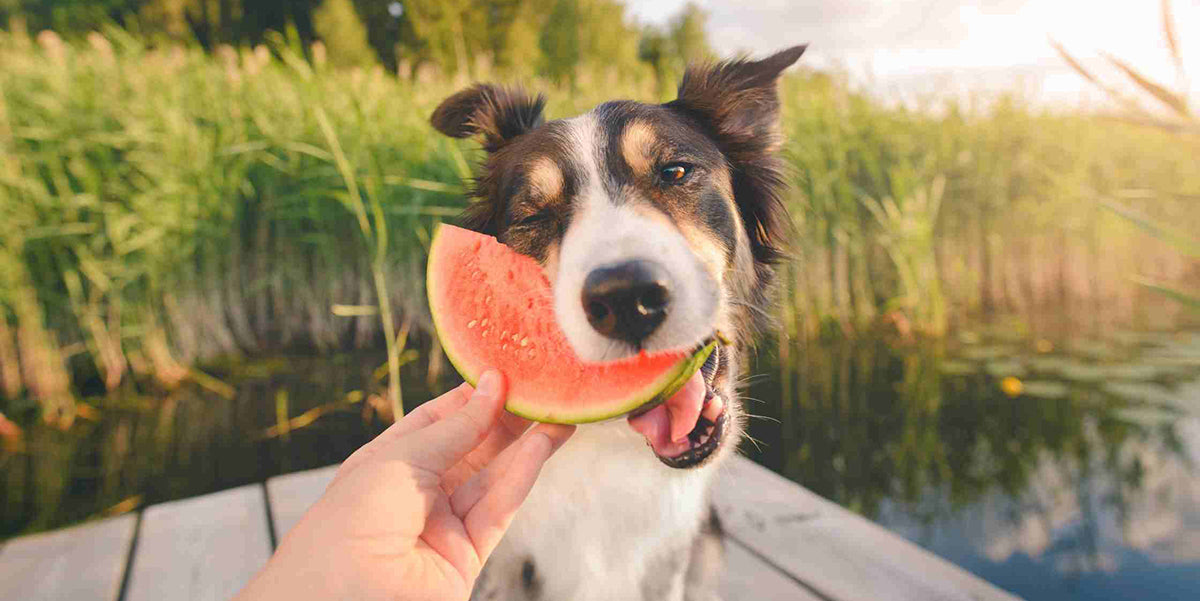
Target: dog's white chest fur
(604, 509)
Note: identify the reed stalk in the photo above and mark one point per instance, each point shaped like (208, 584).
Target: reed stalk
(160, 206)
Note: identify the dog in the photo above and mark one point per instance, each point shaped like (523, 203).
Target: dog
(658, 227)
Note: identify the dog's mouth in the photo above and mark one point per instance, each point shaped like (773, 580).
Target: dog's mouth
(688, 428)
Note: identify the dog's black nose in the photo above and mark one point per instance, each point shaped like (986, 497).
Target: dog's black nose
(627, 301)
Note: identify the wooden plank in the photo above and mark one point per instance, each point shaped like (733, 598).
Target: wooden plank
(81, 563)
(837, 553)
(203, 548)
(748, 578)
(291, 495)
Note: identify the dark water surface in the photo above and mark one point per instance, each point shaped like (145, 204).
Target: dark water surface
(1057, 469)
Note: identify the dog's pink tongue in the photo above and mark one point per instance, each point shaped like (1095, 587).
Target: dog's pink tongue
(666, 426)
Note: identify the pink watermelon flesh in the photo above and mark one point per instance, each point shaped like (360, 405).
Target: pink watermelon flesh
(493, 308)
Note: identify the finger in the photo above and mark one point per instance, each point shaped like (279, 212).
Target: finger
(507, 430)
(487, 521)
(425, 415)
(444, 443)
(433, 411)
(445, 534)
(466, 496)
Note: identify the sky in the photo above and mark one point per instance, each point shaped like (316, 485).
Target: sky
(906, 47)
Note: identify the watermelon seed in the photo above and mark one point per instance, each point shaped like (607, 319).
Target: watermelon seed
(486, 331)
(471, 324)
(504, 347)
(516, 337)
(503, 334)
(484, 323)
(524, 341)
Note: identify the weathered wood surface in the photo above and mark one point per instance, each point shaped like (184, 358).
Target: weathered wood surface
(291, 495)
(83, 563)
(202, 549)
(784, 543)
(835, 552)
(748, 578)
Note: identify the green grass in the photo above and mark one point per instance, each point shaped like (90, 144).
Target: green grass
(1020, 227)
(160, 206)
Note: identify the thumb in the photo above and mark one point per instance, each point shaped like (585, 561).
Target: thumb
(441, 445)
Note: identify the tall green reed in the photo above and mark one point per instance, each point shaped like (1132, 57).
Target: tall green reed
(162, 206)
(1146, 102)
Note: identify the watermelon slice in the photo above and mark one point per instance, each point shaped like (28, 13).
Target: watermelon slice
(493, 308)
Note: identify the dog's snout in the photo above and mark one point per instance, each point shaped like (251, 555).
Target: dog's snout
(627, 301)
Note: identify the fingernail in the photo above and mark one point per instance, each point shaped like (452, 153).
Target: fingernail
(489, 384)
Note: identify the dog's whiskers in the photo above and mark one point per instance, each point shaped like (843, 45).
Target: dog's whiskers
(765, 418)
(754, 441)
(751, 379)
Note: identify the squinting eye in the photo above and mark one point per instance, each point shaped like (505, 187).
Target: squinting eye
(675, 173)
(533, 219)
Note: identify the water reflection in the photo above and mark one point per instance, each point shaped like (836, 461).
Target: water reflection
(1057, 474)
(1058, 469)
(137, 450)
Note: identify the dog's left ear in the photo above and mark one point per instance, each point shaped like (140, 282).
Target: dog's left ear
(737, 98)
(737, 102)
(495, 113)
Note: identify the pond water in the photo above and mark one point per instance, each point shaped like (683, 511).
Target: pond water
(1054, 468)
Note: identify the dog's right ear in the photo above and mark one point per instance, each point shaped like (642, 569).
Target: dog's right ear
(496, 114)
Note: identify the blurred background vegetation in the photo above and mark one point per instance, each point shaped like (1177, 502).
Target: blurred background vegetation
(183, 180)
(192, 189)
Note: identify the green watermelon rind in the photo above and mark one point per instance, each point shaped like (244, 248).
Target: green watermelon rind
(651, 395)
(644, 399)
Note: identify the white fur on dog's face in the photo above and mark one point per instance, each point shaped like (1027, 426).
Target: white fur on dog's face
(604, 231)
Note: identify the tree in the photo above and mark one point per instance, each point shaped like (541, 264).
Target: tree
(669, 50)
(67, 17)
(514, 33)
(343, 34)
(688, 37)
(560, 41)
(588, 35)
(448, 33)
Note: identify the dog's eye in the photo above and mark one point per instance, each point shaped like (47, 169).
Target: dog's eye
(533, 219)
(675, 173)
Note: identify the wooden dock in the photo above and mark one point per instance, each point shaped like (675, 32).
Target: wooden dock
(784, 543)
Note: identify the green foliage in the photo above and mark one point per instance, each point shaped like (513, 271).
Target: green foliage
(514, 29)
(570, 41)
(1179, 120)
(161, 204)
(560, 44)
(72, 16)
(448, 32)
(588, 39)
(688, 36)
(906, 231)
(343, 34)
(669, 50)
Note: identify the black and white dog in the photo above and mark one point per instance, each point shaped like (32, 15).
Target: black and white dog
(657, 226)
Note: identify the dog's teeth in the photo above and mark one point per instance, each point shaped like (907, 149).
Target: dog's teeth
(709, 368)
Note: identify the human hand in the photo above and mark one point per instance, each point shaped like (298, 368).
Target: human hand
(415, 513)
